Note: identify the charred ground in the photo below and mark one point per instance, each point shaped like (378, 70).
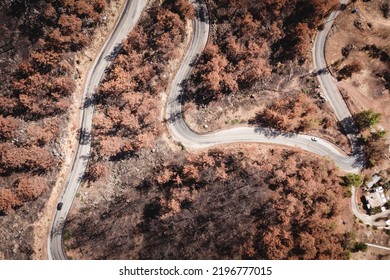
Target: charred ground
(212, 205)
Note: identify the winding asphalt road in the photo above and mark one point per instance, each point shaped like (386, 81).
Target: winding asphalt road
(328, 85)
(128, 19)
(181, 133)
(179, 130)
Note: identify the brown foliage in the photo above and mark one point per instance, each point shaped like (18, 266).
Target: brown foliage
(128, 102)
(40, 39)
(181, 7)
(277, 205)
(13, 158)
(8, 127)
(303, 204)
(70, 24)
(252, 39)
(291, 114)
(304, 34)
(8, 200)
(96, 171)
(30, 188)
(110, 146)
(42, 84)
(41, 136)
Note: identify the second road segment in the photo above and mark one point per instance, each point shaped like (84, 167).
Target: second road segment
(181, 133)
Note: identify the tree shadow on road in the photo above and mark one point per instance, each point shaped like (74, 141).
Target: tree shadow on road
(174, 117)
(114, 53)
(84, 137)
(89, 101)
(272, 133)
(320, 72)
(202, 13)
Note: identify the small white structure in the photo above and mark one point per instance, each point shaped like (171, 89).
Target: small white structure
(373, 181)
(373, 199)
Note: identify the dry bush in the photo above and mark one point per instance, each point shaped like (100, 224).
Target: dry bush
(293, 114)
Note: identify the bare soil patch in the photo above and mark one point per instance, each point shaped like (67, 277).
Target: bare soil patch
(362, 38)
(369, 45)
(365, 233)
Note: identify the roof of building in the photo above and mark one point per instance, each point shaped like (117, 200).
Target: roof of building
(373, 181)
